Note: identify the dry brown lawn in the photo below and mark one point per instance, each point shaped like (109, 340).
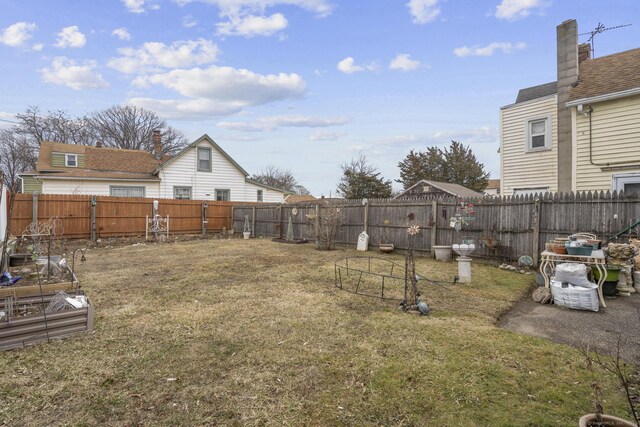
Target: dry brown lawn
(233, 332)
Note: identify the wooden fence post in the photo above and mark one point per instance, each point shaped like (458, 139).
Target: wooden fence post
(280, 214)
(366, 218)
(233, 219)
(34, 208)
(317, 226)
(536, 231)
(253, 221)
(93, 203)
(204, 219)
(434, 226)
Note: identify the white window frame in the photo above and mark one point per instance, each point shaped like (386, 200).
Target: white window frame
(531, 190)
(128, 189)
(223, 192)
(260, 195)
(176, 188)
(618, 180)
(208, 149)
(67, 157)
(529, 137)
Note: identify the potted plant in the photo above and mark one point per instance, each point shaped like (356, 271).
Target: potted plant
(385, 246)
(247, 227)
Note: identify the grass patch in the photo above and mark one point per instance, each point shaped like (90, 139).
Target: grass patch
(233, 332)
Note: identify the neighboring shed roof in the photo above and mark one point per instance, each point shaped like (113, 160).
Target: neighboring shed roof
(608, 74)
(453, 189)
(270, 187)
(297, 198)
(535, 92)
(99, 162)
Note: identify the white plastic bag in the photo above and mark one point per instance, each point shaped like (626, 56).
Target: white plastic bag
(573, 273)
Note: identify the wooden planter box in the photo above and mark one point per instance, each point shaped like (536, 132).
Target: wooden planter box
(19, 332)
(17, 291)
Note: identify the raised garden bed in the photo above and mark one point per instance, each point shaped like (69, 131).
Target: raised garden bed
(30, 325)
(29, 285)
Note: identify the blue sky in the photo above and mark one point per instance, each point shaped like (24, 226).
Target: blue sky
(303, 85)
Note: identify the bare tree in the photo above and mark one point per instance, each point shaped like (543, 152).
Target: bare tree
(55, 126)
(16, 156)
(131, 127)
(280, 178)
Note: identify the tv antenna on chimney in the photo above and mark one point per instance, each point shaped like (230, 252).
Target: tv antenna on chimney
(600, 28)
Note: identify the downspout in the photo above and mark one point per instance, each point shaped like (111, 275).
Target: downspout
(589, 112)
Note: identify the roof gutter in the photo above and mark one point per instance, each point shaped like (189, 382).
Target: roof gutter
(602, 98)
(89, 178)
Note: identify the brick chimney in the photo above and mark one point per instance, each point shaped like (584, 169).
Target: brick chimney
(567, 60)
(157, 144)
(98, 144)
(584, 52)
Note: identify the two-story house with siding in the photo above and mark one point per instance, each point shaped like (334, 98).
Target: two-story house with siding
(202, 170)
(579, 133)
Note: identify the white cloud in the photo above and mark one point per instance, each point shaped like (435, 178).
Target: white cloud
(481, 135)
(7, 120)
(70, 37)
(189, 21)
(323, 135)
(423, 11)
(489, 49)
(219, 90)
(236, 7)
(37, 47)
(512, 10)
(121, 33)
(17, 34)
(272, 123)
(66, 72)
(248, 18)
(404, 62)
(250, 25)
(154, 56)
(348, 66)
(140, 6)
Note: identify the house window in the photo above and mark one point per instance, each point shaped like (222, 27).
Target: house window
(539, 134)
(71, 160)
(627, 182)
(204, 159)
(223, 195)
(260, 196)
(126, 191)
(182, 193)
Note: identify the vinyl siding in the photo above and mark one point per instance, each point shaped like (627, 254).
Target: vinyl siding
(615, 138)
(58, 159)
(95, 188)
(268, 195)
(183, 171)
(31, 185)
(521, 169)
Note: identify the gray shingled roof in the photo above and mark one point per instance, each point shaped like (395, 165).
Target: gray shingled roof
(453, 189)
(534, 92)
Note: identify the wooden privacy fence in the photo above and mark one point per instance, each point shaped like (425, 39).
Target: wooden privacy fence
(521, 224)
(84, 217)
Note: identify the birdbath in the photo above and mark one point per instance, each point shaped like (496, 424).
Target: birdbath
(464, 261)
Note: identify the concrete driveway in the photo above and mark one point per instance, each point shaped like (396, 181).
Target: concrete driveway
(578, 328)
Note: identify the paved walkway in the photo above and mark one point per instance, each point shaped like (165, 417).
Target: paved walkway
(579, 328)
